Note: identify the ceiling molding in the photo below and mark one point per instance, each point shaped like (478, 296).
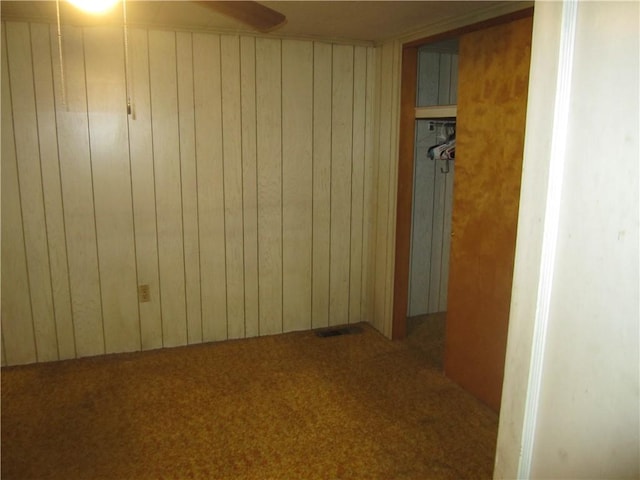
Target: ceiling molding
(503, 8)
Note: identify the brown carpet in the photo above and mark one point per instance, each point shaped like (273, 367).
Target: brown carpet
(292, 406)
(425, 335)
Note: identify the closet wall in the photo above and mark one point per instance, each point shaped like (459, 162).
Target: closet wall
(431, 223)
(240, 190)
(437, 84)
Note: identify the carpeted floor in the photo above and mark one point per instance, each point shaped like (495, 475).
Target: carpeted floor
(425, 335)
(292, 406)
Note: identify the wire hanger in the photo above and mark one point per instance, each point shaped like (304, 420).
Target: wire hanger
(445, 150)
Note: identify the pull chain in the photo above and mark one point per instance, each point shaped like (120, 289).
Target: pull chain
(62, 82)
(126, 58)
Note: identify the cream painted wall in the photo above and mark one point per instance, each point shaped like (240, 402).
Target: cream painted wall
(583, 422)
(239, 189)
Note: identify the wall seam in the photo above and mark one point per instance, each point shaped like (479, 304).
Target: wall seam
(130, 117)
(195, 141)
(313, 156)
(155, 189)
(242, 152)
(281, 196)
(64, 222)
(44, 204)
(93, 194)
(353, 106)
(255, 86)
(24, 245)
(184, 253)
(364, 179)
(224, 196)
(330, 190)
(197, 196)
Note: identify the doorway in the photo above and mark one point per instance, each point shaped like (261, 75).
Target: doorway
(433, 172)
(490, 131)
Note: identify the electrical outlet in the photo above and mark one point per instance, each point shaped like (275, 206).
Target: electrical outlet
(144, 294)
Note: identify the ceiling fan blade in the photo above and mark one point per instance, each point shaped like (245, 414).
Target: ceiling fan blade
(263, 19)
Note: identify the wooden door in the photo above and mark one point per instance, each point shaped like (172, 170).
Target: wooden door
(492, 101)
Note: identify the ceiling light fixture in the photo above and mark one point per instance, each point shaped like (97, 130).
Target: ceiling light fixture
(96, 7)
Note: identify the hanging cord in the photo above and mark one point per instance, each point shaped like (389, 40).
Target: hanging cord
(62, 82)
(126, 57)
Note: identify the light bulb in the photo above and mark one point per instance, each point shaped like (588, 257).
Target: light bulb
(94, 6)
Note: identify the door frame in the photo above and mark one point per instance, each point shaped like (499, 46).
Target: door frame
(406, 140)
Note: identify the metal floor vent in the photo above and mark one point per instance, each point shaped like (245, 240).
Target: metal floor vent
(335, 332)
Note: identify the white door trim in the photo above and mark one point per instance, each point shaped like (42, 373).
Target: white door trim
(550, 231)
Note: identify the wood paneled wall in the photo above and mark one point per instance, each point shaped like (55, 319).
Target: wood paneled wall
(241, 189)
(431, 223)
(386, 181)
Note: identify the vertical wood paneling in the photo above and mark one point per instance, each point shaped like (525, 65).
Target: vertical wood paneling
(444, 81)
(433, 189)
(385, 72)
(431, 224)
(232, 151)
(431, 227)
(269, 122)
(17, 324)
(357, 181)
(166, 152)
(437, 239)
(77, 195)
(422, 222)
(389, 74)
(453, 89)
(106, 101)
(189, 179)
(370, 179)
(341, 145)
(30, 187)
(393, 112)
(144, 193)
(239, 189)
(53, 208)
(249, 183)
(428, 77)
(322, 80)
(208, 104)
(297, 182)
(437, 76)
(446, 236)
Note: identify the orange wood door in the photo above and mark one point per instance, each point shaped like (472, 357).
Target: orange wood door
(492, 101)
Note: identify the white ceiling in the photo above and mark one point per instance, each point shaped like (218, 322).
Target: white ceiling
(348, 20)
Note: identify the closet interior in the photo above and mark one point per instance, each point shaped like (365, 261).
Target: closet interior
(433, 174)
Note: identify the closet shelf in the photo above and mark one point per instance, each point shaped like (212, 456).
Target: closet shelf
(437, 111)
